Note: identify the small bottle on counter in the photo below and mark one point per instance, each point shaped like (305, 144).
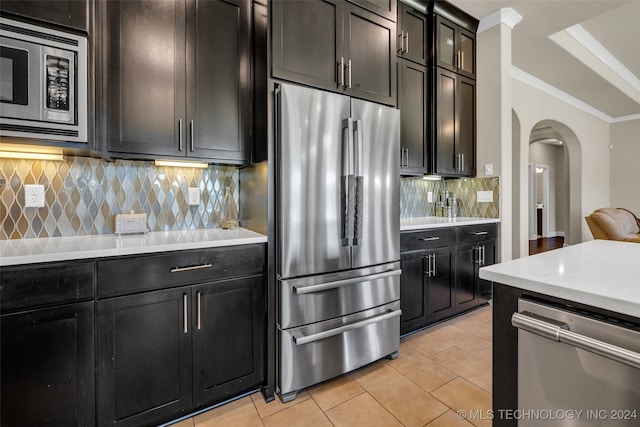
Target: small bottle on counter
(229, 218)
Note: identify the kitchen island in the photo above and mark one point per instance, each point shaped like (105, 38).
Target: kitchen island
(595, 280)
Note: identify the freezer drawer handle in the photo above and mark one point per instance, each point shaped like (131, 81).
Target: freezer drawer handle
(479, 233)
(429, 239)
(561, 333)
(300, 339)
(339, 283)
(190, 268)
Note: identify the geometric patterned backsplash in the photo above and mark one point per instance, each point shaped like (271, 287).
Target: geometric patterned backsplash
(413, 196)
(83, 195)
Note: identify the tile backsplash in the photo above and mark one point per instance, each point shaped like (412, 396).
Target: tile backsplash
(83, 195)
(414, 201)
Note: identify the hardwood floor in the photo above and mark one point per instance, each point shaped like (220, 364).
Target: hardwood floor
(441, 373)
(545, 244)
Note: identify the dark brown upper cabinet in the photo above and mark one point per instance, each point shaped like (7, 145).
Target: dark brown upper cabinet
(455, 123)
(68, 13)
(384, 8)
(335, 45)
(178, 79)
(455, 47)
(413, 101)
(413, 30)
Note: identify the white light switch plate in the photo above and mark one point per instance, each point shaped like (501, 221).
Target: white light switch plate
(34, 196)
(429, 196)
(488, 169)
(485, 196)
(194, 196)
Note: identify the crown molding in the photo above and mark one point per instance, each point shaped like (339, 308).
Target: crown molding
(506, 16)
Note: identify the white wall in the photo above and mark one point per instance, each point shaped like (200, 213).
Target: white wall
(587, 140)
(553, 156)
(625, 165)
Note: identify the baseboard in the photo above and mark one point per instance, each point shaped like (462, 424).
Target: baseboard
(533, 237)
(555, 234)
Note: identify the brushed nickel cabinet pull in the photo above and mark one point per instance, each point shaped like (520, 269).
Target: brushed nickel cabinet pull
(191, 134)
(199, 295)
(407, 37)
(479, 233)
(185, 315)
(180, 134)
(190, 268)
(401, 36)
(341, 72)
(429, 239)
(349, 74)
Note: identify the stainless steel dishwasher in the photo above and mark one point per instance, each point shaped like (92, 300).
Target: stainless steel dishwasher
(574, 370)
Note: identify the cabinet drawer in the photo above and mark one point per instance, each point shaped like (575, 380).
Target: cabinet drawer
(476, 233)
(44, 284)
(158, 271)
(426, 239)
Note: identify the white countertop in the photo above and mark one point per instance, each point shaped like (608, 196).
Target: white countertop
(426, 222)
(30, 251)
(600, 273)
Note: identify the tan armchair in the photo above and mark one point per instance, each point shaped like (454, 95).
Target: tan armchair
(614, 224)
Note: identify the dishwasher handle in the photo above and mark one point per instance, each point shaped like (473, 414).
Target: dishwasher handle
(301, 339)
(560, 332)
(307, 289)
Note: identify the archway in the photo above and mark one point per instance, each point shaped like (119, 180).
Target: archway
(563, 150)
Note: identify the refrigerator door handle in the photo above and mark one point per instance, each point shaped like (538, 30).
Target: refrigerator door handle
(307, 289)
(348, 183)
(359, 182)
(300, 339)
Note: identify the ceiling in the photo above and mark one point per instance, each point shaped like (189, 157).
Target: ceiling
(594, 65)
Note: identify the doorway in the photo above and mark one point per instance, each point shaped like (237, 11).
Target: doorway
(548, 190)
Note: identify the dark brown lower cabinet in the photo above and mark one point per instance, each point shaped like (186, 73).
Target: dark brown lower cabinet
(47, 369)
(163, 354)
(441, 282)
(427, 289)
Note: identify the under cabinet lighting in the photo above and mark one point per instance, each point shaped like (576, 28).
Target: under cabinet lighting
(180, 164)
(432, 178)
(15, 151)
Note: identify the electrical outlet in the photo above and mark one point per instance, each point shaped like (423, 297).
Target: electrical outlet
(485, 196)
(34, 196)
(194, 196)
(429, 196)
(488, 169)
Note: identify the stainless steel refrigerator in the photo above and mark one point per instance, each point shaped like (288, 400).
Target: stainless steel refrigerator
(338, 224)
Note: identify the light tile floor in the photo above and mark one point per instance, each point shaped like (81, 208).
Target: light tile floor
(440, 371)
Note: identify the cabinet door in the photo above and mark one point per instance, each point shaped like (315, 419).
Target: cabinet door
(465, 138)
(307, 41)
(467, 49)
(218, 76)
(145, 59)
(412, 34)
(445, 144)
(385, 8)
(445, 44)
(228, 338)
(441, 285)
(48, 367)
(466, 273)
(69, 13)
(485, 287)
(413, 292)
(370, 53)
(144, 357)
(413, 92)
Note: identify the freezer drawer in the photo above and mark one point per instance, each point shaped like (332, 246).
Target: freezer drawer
(315, 353)
(317, 298)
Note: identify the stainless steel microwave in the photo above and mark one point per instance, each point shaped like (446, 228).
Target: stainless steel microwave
(43, 83)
